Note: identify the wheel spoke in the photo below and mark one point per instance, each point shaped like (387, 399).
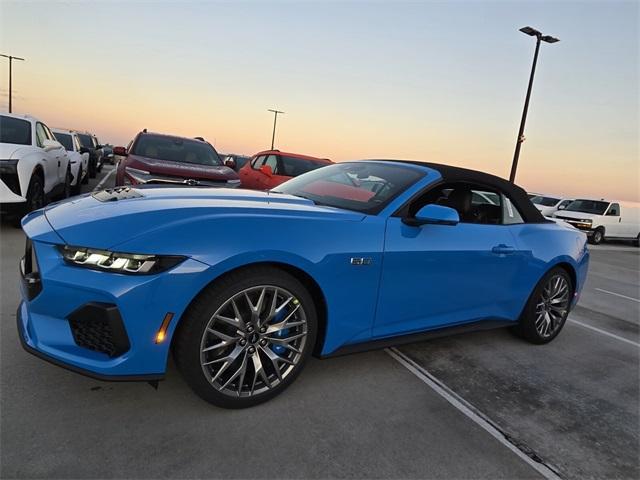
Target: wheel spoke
(230, 359)
(285, 340)
(241, 368)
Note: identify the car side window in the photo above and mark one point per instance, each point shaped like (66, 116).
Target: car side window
(272, 161)
(257, 162)
(614, 210)
(41, 134)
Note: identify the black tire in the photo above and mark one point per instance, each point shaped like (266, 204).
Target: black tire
(92, 168)
(527, 327)
(77, 188)
(66, 193)
(597, 237)
(194, 327)
(35, 199)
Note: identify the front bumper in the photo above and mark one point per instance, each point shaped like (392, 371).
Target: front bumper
(101, 324)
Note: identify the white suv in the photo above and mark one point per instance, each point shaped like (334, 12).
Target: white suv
(34, 166)
(550, 204)
(78, 157)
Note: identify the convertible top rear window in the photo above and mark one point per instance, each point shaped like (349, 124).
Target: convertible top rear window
(365, 187)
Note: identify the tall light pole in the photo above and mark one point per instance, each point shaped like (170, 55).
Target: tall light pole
(539, 38)
(11, 58)
(275, 119)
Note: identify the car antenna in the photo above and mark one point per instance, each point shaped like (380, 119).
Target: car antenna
(144, 130)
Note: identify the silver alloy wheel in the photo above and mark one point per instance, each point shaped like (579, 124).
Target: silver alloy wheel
(552, 306)
(253, 341)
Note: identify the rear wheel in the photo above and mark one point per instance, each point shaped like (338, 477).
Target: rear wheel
(597, 237)
(246, 337)
(547, 308)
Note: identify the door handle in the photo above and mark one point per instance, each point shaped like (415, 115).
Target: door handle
(503, 249)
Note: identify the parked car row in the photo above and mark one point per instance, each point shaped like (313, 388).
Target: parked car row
(156, 158)
(39, 164)
(600, 219)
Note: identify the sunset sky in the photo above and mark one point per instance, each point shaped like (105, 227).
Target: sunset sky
(434, 81)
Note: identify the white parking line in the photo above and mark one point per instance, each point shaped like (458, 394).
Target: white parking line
(604, 332)
(469, 410)
(103, 180)
(618, 295)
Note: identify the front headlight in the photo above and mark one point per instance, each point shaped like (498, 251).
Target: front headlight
(118, 262)
(587, 220)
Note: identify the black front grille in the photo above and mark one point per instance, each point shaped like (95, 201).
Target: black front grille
(99, 327)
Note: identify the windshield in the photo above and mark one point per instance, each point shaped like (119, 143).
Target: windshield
(587, 206)
(14, 130)
(544, 201)
(86, 140)
(361, 186)
(175, 149)
(65, 140)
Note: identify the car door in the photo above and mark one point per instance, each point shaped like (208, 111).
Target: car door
(615, 225)
(60, 155)
(50, 159)
(441, 275)
(265, 181)
(249, 175)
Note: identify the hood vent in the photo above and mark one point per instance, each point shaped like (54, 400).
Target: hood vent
(115, 194)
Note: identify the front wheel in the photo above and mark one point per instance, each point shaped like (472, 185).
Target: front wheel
(597, 237)
(246, 337)
(547, 308)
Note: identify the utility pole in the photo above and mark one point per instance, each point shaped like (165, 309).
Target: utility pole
(275, 119)
(11, 58)
(539, 37)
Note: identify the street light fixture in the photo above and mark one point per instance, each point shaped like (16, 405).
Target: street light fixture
(539, 38)
(275, 118)
(11, 58)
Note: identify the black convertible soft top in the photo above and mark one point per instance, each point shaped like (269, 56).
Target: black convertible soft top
(518, 196)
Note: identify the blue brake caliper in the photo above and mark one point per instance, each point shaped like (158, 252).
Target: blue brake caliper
(279, 349)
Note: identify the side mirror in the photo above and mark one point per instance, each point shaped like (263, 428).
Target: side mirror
(120, 151)
(230, 162)
(49, 145)
(266, 169)
(435, 215)
(83, 150)
(98, 147)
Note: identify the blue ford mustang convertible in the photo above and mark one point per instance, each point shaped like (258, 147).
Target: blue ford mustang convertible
(242, 286)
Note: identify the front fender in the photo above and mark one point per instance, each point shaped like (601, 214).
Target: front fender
(320, 247)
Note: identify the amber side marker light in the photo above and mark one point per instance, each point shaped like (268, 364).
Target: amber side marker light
(162, 333)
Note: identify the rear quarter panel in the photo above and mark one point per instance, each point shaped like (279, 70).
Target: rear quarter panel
(546, 245)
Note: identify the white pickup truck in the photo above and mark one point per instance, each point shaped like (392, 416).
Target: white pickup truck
(602, 219)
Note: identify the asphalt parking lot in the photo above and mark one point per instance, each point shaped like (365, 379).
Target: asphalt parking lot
(478, 405)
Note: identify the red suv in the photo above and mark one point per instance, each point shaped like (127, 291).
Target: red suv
(154, 158)
(270, 168)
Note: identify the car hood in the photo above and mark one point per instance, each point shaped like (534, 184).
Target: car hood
(107, 218)
(8, 150)
(179, 169)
